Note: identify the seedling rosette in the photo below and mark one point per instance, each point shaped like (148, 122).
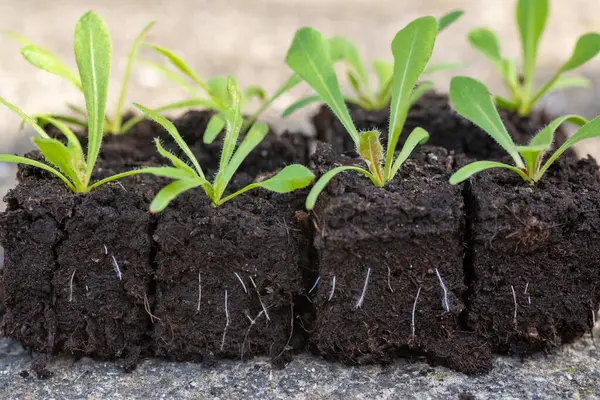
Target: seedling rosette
(412, 47)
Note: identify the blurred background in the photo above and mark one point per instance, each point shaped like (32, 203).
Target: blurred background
(249, 39)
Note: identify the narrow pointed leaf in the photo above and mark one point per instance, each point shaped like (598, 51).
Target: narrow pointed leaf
(49, 62)
(170, 192)
(176, 161)
(65, 130)
(172, 76)
(472, 100)
(545, 137)
(301, 103)
(448, 19)
(469, 170)
(566, 82)
(254, 92)
(531, 19)
(309, 57)
(417, 136)
(215, 125)
(25, 117)
(328, 176)
(233, 123)
(93, 54)
(412, 48)
(343, 49)
(8, 158)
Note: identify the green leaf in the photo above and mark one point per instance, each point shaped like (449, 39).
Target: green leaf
(329, 175)
(252, 92)
(166, 172)
(72, 139)
(176, 161)
(169, 192)
(533, 157)
(417, 136)
(384, 71)
(469, 170)
(301, 103)
(506, 104)
(430, 69)
(218, 88)
(588, 131)
(25, 117)
(255, 135)
(486, 42)
(56, 153)
(49, 62)
(472, 100)
(215, 125)
(8, 158)
(565, 82)
(545, 137)
(587, 47)
(420, 91)
(371, 151)
(309, 57)
(170, 128)
(93, 54)
(233, 123)
(172, 76)
(449, 18)
(343, 49)
(116, 128)
(531, 19)
(412, 48)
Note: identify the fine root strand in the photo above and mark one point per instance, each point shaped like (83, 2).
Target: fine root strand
(389, 280)
(414, 309)
(252, 322)
(199, 292)
(226, 322)
(117, 269)
(242, 282)
(315, 285)
(71, 286)
(147, 308)
(259, 298)
(515, 302)
(445, 303)
(291, 333)
(332, 289)
(364, 291)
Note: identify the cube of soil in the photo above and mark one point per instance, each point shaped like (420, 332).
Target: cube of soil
(434, 114)
(227, 277)
(535, 256)
(390, 267)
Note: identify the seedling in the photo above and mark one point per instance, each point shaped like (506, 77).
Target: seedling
(532, 16)
(188, 177)
(93, 54)
(310, 59)
(342, 49)
(472, 100)
(48, 61)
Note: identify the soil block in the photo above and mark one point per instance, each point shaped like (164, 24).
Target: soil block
(534, 256)
(227, 278)
(434, 114)
(390, 267)
(77, 267)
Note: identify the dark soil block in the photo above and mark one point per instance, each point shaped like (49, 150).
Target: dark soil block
(434, 114)
(77, 267)
(384, 252)
(534, 256)
(227, 278)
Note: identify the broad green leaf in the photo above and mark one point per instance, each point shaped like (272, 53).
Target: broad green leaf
(215, 125)
(486, 42)
(233, 123)
(301, 103)
(218, 88)
(116, 128)
(417, 136)
(170, 128)
(255, 135)
(371, 151)
(420, 91)
(412, 48)
(25, 117)
(384, 71)
(587, 47)
(472, 100)
(545, 137)
(8, 158)
(430, 69)
(309, 57)
(469, 170)
(49, 62)
(57, 154)
(343, 49)
(176, 161)
(169, 192)
(93, 54)
(531, 19)
(328, 176)
(449, 18)
(588, 131)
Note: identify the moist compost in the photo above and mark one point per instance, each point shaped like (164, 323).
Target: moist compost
(383, 252)
(534, 267)
(434, 114)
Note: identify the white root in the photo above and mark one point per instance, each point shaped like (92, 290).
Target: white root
(105, 250)
(226, 322)
(252, 322)
(199, 292)
(71, 286)
(412, 324)
(315, 285)
(445, 303)
(147, 308)
(242, 282)
(515, 301)
(332, 289)
(117, 269)
(525, 292)
(291, 333)
(364, 291)
(259, 298)
(389, 279)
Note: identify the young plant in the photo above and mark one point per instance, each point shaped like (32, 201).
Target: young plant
(46, 60)
(532, 16)
(342, 49)
(93, 55)
(188, 177)
(310, 59)
(472, 100)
